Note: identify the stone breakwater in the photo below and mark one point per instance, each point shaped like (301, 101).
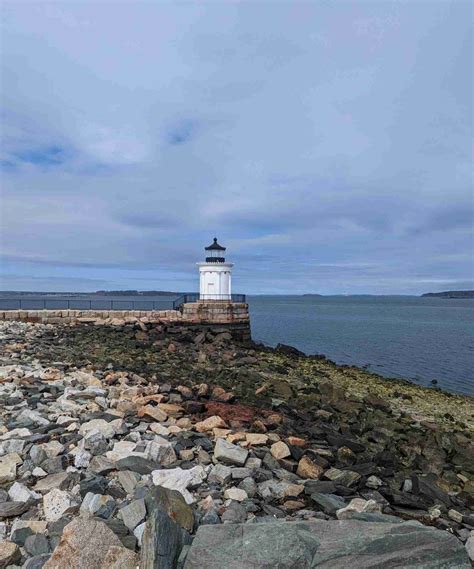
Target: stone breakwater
(164, 447)
(232, 315)
(190, 313)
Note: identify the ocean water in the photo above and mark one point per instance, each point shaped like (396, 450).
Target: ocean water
(420, 339)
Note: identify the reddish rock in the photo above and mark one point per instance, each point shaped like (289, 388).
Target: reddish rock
(296, 441)
(234, 413)
(220, 394)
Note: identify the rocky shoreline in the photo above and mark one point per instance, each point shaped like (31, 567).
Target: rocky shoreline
(168, 446)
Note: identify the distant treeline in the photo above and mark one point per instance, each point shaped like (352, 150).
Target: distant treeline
(451, 294)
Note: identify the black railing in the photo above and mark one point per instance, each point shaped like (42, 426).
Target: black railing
(195, 296)
(86, 304)
(82, 304)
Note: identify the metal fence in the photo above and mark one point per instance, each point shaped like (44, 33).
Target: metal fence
(82, 304)
(11, 303)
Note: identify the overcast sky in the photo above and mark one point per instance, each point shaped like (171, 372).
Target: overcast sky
(327, 144)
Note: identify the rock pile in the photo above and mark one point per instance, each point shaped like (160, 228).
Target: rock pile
(102, 468)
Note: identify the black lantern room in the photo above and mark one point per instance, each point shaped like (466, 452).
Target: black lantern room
(215, 252)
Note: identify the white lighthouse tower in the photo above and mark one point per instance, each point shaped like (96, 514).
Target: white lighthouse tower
(215, 275)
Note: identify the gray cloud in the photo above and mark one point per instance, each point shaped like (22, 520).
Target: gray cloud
(327, 145)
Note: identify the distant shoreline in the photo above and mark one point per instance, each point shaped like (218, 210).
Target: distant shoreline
(454, 294)
(450, 294)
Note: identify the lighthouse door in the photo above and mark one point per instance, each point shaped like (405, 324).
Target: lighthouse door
(211, 291)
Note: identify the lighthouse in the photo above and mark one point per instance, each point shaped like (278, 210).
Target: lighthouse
(215, 274)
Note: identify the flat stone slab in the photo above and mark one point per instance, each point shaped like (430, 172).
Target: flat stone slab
(326, 544)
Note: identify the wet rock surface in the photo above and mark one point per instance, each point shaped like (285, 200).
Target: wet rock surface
(117, 451)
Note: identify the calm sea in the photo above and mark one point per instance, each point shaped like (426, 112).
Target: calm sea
(415, 338)
(420, 339)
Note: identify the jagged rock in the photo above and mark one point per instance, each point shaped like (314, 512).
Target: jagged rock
(8, 465)
(12, 509)
(373, 482)
(133, 514)
(162, 542)
(229, 453)
(210, 423)
(470, 546)
(102, 465)
(98, 505)
(20, 493)
(349, 543)
(57, 503)
(343, 477)
(179, 479)
(161, 452)
(152, 413)
(36, 562)
(36, 544)
(358, 506)
(98, 425)
(135, 463)
(236, 494)
(9, 553)
(173, 504)
(220, 474)
(328, 502)
(255, 439)
(280, 450)
(86, 544)
(309, 469)
(128, 480)
(60, 481)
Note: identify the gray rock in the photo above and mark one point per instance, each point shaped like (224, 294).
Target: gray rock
(305, 545)
(19, 535)
(161, 452)
(99, 505)
(173, 504)
(133, 514)
(37, 454)
(343, 477)
(229, 453)
(37, 544)
(210, 517)
(162, 542)
(55, 464)
(470, 547)
(136, 464)
(249, 485)
(36, 562)
(329, 503)
(241, 472)
(61, 481)
(220, 474)
(128, 480)
(235, 513)
(101, 465)
(12, 509)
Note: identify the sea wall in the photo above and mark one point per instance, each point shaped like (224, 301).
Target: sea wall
(231, 316)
